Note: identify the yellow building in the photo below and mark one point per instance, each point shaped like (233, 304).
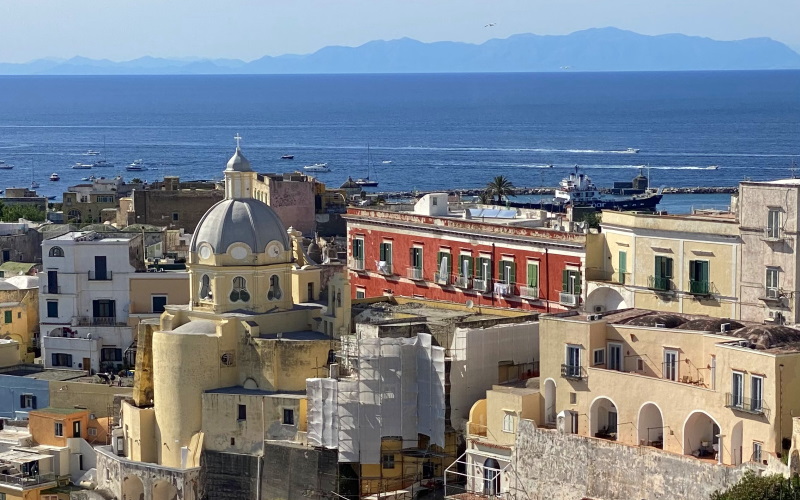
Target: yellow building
(674, 263)
(19, 314)
(226, 372)
(711, 388)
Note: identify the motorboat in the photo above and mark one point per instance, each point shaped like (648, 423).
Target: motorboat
(102, 164)
(287, 157)
(712, 167)
(54, 177)
(317, 167)
(5, 166)
(82, 166)
(136, 166)
(631, 151)
(366, 182)
(90, 178)
(387, 162)
(91, 152)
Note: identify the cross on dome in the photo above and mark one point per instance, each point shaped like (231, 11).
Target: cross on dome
(238, 138)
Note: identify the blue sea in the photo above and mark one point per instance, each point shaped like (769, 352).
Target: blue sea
(424, 132)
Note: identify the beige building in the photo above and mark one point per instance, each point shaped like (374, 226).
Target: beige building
(292, 196)
(713, 389)
(19, 314)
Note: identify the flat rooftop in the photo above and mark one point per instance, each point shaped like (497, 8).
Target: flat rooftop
(398, 309)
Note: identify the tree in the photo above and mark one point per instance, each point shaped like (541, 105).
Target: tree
(12, 213)
(767, 487)
(501, 187)
(485, 197)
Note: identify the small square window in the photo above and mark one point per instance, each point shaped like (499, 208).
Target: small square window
(288, 416)
(242, 412)
(508, 422)
(573, 398)
(599, 356)
(361, 294)
(640, 364)
(388, 461)
(92, 431)
(27, 401)
(174, 216)
(59, 429)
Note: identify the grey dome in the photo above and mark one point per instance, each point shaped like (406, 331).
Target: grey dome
(247, 221)
(238, 163)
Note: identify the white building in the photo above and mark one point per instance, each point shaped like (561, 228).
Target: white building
(84, 299)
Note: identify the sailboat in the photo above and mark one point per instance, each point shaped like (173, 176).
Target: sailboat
(367, 182)
(34, 184)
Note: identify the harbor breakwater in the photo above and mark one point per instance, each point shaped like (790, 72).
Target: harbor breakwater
(535, 191)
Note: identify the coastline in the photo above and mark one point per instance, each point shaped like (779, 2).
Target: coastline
(534, 191)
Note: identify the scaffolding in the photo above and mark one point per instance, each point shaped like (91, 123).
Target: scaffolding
(479, 480)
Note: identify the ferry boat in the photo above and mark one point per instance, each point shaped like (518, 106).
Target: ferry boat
(54, 177)
(317, 167)
(5, 166)
(136, 166)
(82, 166)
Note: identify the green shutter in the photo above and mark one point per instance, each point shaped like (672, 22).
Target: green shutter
(692, 272)
(8, 316)
(383, 252)
(565, 280)
(484, 263)
(623, 263)
(668, 274)
(358, 248)
(533, 275)
(659, 267)
(577, 290)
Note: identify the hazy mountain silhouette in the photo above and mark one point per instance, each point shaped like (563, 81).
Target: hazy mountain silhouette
(597, 49)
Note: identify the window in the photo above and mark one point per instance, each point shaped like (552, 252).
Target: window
(27, 402)
(242, 412)
(571, 281)
(573, 420)
(483, 269)
(158, 302)
(175, 216)
(756, 392)
(773, 223)
(100, 267)
(698, 277)
(416, 258)
(507, 271)
(757, 447)
(773, 290)
(92, 431)
(508, 422)
(59, 429)
(288, 416)
(663, 273)
(104, 308)
(76, 428)
(615, 357)
(388, 461)
(59, 359)
(640, 364)
(239, 292)
(205, 287)
(737, 389)
(8, 316)
(110, 354)
(358, 249)
(361, 293)
(466, 266)
(573, 361)
(573, 398)
(599, 357)
(274, 292)
(386, 257)
(444, 262)
(56, 252)
(52, 308)
(671, 364)
(533, 274)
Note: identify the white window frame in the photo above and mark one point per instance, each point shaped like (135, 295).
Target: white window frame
(27, 401)
(58, 429)
(756, 403)
(758, 451)
(508, 421)
(773, 223)
(602, 360)
(361, 293)
(609, 364)
(92, 431)
(578, 349)
(737, 397)
(771, 280)
(674, 372)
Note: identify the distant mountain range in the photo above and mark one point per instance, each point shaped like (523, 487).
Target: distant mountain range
(598, 49)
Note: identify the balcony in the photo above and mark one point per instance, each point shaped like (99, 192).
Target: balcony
(463, 282)
(443, 279)
(660, 284)
(481, 285)
(22, 481)
(505, 289)
(772, 294)
(569, 299)
(95, 276)
(414, 273)
(529, 292)
(701, 287)
(573, 372)
(746, 405)
(104, 321)
(772, 235)
(50, 289)
(383, 267)
(356, 264)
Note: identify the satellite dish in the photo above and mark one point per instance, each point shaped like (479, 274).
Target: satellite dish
(469, 304)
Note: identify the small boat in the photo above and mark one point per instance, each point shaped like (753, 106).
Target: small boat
(366, 182)
(82, 166)
(136, 166)
(631, 151)
(91, 152)
(90, 178)
(712, 167)
(5, 166)
(34, 184)
(54, 177)
(102, 164)
(317, 167)
(287, 157)
(387, 162)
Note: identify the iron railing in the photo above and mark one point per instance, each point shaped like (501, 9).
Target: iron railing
(659, 283)
(26, 481)
(747, 405)
(384, 267)
(356, 264)
(95, 276)
(463, 282)
(569, 299)
(100, 321)
(442, 278)
(51, 289)
(701, 287)
(414, 273)
(574, 372)
(481, 285)
(529, 292)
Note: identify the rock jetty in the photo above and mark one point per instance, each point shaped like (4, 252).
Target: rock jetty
(521, 191)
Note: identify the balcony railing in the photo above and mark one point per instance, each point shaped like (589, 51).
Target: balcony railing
(103, 321)
(481, 285)
(504, 289)
(95, 276)
(573, 372)
(384, 268)
(529, 292)
(772, 294)
(569, 299)
(51, 289)
(747, 405)
(26, 481)
(442, 278)
(356, 264)
(772, 234)
(698, 287)
(659, 283)
(414, 273)
(462, 282)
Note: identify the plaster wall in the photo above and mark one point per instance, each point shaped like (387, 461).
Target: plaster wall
(13, 387)
(97, 398)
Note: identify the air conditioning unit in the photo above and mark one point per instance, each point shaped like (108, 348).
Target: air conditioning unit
(594, 317)
(724, 327)
(661, 325)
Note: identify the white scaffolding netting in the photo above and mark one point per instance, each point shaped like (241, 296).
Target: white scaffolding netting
(323, 418)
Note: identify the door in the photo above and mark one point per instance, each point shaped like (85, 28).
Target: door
(615, 357)
(737, 389)
(671, 365)
(52, 281)
(311, 292)
(100, 268)
(87, 364)
(76, 429)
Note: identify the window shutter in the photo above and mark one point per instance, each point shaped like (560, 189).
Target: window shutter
(704, 270)
(669, 267)
(22, 401)
(383, 252)
(512, 273)
(577, 275)
(659, 267)
(564, 280)
(533, 275)
(471, 266)
(692, 273)
(33, 402)
(439, 256)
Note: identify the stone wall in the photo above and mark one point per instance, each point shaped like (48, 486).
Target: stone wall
(157, 207)
(228, 475)
(25, 247)
(293, 472)
(550, 465)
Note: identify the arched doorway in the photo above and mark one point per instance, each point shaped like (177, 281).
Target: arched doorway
(651, 426)
(132, 488)
(737, 455)
(606, 298)
(700, 435)
(491, 477)
(549, 402)
(163, 490)
(603, 419)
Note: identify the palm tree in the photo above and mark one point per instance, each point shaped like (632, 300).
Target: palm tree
(485, 197)
(501, 187)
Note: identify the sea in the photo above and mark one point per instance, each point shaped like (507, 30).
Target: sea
(411, 132)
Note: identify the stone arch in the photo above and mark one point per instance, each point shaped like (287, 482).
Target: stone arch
(603, 418)
(737, 441)
(550, 401)
(132, 488)
(698, 428)
(650, 425)
(74, 215)
(164, 490)
(491, 477)
(607, 298)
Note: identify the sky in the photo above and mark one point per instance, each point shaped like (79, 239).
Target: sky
(248, 29)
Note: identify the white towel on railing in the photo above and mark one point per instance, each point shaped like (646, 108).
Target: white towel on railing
(501, 288)
(382, 266)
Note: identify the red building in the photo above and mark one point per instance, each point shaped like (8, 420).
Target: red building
(499, 257)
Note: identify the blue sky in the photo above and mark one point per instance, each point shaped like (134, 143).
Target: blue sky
(248, 29)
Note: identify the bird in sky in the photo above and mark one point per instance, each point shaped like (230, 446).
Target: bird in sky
(489, 25)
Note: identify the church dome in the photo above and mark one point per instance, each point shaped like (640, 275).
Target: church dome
(238, 163)
(246, 220)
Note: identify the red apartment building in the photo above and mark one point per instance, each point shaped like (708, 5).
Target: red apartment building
(498, 257)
